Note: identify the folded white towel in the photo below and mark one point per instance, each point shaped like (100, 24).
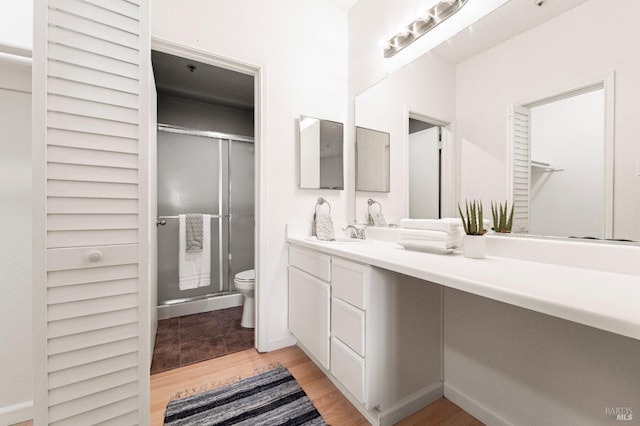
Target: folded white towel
(194, 268)
(451, 238)
(445, 224)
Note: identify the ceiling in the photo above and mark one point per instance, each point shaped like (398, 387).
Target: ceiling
(177, 77)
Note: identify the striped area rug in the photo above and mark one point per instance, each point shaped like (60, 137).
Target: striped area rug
(270, 398)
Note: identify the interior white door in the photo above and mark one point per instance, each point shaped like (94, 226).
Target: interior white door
(519, 177)
(91, 211)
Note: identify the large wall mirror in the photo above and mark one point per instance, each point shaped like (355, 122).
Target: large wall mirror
(372, 160)
(571, 70)
(321, 153)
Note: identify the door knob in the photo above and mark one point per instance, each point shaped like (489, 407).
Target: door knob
(95, 256)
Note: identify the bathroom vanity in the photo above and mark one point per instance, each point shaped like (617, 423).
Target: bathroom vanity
(340, 312)
(396, 329)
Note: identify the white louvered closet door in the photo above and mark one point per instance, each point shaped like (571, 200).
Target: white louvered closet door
(90, 204)
(520, 170)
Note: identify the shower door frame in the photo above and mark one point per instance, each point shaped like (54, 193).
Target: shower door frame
(257, 71)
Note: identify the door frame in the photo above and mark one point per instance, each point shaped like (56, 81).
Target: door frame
(607, 84)
(257, 71)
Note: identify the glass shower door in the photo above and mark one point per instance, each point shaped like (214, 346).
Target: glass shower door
(189, 181)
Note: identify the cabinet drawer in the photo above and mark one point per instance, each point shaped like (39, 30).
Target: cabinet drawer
(312, 262)
(349, 282)
(348, 368)
(347, 324)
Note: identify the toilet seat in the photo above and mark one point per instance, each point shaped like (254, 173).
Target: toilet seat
(246, 276)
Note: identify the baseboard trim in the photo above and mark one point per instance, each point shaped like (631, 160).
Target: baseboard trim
(474, 407)
(197, 306)
(16, 413)
(411, 404)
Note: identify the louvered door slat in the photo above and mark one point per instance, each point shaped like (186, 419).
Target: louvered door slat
(94, 29)
(62, 205)
(91, 402)
(88, 62)
(78, 123)
(92, 354)
(85, 173)
(94, 338)
(91, 290)
(91, 238)
(98, 14)
(58, 154)
(99, 384)
(91, 322)
(89, 371)
(93, 109)
(102, 414)
(90, 92)
(91, 141)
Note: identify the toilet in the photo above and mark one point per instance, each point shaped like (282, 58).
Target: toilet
(245, 282)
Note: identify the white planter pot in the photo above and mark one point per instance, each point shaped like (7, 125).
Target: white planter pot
(475, 246)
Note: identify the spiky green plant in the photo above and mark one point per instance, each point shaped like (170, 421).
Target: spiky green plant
(502, 219)
(472, 223)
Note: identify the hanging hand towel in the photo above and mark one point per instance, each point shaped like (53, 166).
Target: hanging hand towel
(324, 226)
(193, 232)
(377, 219)
(194, 268)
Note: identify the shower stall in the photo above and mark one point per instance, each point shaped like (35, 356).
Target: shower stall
(209, 173)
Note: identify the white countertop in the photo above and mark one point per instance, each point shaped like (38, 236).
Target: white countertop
(605, 300)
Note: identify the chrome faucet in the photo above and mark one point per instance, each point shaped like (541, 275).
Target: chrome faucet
(356, 232)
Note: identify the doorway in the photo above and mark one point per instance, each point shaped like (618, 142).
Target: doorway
(207, 163)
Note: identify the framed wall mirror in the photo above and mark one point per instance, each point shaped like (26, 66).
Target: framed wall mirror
(519, 55)
(321, 150)
(372, 160)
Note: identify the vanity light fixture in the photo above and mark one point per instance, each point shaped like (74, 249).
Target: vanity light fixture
(422, 25)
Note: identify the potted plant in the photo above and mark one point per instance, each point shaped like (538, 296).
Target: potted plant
(474, 240)
(502, 219)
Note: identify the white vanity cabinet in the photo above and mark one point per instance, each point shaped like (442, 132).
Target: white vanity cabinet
(359, 323)
(309, 301)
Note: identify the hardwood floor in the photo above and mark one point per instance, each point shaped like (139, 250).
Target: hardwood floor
(332, 405)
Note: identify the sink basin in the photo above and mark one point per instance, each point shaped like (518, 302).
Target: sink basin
(339, 240)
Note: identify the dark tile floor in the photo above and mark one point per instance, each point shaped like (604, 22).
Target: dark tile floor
(193, 338)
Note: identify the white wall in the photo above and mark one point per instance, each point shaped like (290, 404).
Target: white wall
(203, 116)
(16, 23)
(551, 60)
(569, 134)
(301, 47)
(16, 369)
(386, 106)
